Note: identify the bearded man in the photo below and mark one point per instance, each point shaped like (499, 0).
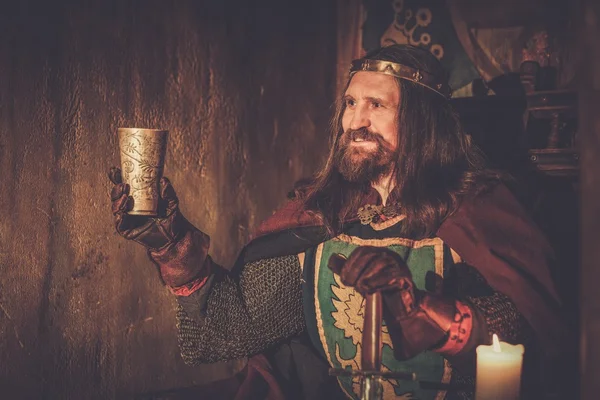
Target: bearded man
(404, 206)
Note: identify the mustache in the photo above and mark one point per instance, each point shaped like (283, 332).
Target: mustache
(363, 134)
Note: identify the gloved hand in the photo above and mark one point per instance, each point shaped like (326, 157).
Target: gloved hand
(175, 245)
(417, 320)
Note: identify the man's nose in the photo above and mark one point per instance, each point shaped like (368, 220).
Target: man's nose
(360, 119)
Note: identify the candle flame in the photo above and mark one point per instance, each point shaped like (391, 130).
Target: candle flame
(496, 344)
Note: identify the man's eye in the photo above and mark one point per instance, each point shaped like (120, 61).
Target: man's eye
(350, 102)
(377, 104)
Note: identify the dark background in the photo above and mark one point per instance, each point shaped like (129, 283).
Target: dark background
(245, 89)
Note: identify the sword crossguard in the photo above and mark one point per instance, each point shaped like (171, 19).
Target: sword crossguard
(371, 374)
(405, 376)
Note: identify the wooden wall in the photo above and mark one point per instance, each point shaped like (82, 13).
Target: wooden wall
(245, 89)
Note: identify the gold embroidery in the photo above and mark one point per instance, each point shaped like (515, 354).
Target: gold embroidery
(414, 28)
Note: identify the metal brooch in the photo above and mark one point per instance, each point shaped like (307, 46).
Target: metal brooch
(374, 213)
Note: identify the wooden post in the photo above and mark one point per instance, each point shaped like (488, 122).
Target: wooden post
(588, 22)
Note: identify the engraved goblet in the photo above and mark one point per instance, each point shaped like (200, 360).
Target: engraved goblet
(142, 164)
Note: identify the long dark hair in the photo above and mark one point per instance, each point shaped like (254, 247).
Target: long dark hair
(436, 161)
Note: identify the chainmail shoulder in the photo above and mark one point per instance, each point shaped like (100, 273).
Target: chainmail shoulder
(245, 314)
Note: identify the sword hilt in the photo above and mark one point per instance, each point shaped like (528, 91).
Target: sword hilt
(371, 336)
(371, 373)
(371, 348)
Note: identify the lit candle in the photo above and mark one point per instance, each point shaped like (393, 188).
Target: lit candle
(499, 369)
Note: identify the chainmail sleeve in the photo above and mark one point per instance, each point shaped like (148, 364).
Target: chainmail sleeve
(497, 312)
(235, 316)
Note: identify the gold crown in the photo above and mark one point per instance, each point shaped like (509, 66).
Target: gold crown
(423, 78)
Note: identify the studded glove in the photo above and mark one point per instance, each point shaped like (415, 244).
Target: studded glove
(178, 248)
(417, 320)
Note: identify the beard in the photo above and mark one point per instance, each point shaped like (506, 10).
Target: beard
(358, 165)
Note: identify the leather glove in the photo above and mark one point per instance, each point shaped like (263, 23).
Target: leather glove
(174, 244)
(150, 232)
(417, 320)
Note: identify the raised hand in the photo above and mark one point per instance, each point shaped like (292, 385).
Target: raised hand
(151, 232)
(178, 248)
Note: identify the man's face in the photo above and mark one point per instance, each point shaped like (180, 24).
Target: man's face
(370, 122)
